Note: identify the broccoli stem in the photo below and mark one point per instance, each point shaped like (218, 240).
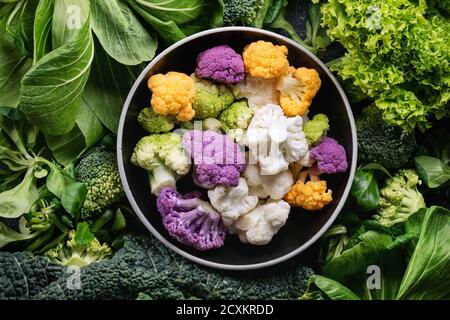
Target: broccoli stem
(161, 177)
(412, 201)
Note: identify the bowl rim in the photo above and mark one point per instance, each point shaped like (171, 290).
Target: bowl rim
(140, 214)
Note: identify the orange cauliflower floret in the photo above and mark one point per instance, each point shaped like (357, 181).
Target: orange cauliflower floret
(297, 89)
(263, 59)
(312, 195)
(173, 94)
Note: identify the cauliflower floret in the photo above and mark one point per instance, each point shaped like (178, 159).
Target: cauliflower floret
(235, 120)
(258, 92)
(172, 94)
(316, 128)
(153, 122)
(275, 186)
(210, 98)
(263, 59)
(297, 89)
(260, 225)
(275, 140)
(232, 202)
(312, 195)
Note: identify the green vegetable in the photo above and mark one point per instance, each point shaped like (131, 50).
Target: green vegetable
(242, 11)
(210, 98)
(316, 128)
(365, 189)
(423, 276)
(236, 116)
(42, 28)
(66, 70)
(432, 171)
(153, 122)
(381, 142)
(74, 197)
(127, 274)
(174, 20)
(426, 276)
(13, 65)
(163, 157)
(399, 198)
(80, 250)
(98, 170)
(396, 54)
(316, 35)
(120, 32)
(8, 235)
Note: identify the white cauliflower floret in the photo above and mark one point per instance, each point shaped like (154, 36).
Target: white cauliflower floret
(232, 202)
(258, 91)
(275, 140)
(260, 225)
(275, 186)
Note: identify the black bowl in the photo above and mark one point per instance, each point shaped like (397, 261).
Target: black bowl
(302, 228)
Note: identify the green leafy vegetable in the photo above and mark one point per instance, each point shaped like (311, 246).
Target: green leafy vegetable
(397, 54)
(427, 275)
(42, 28)
(65, 70)
(8, 235)
(120, 32)
(73, 198)
(432, 171)
(365, 189)
(13, 65)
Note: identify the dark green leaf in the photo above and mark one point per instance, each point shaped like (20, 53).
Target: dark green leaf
(376, 167)
(365, 190)
(20, 25)
(13, 65)
(57, 181)
(83, 235)
(432, 171)
(8, 235)
(42, 27)
(87, 132)
(427, 276)
(120, 33)
(73, 198)
(274, 11)
(64, 70)
(107, 88)
(333, 289)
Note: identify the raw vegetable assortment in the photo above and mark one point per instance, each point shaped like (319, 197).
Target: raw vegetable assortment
(257, 154)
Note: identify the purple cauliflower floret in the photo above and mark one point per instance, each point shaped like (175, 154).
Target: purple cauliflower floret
(190, 220)
(208, 176)
(330, 156)
(221, 64)
(217, 159)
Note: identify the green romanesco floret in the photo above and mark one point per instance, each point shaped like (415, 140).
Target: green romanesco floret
(235, 120)
(74, 254)
(153, 122)
(163, 157)
(316, 128)
(381, 142)
(210, 98)
(99, 171)
(241, 11)
(399, 198)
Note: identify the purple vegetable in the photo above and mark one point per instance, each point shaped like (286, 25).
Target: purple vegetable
(217, 159)
(330, 156)
(190, 220)
(221, 64)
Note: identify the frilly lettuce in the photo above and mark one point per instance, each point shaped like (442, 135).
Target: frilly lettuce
(397, 54)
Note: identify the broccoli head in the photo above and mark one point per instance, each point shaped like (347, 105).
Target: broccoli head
(153, 122)
(399, 198)
(99, 171)
(210, 98)
(79, 254)
(241, 11)
(381, 142)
